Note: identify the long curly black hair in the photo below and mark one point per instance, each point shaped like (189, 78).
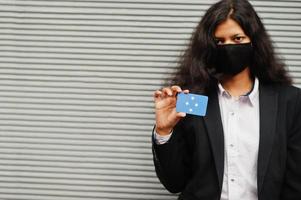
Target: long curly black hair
(194, 70)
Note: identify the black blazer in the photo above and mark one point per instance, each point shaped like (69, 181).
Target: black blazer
(192, 161)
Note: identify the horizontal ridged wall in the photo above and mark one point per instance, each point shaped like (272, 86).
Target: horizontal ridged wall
(76, 84)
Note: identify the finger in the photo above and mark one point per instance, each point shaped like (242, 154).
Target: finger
(186, 91)
(157, 95)
(176, 89)
(181, 114)
(167, 91)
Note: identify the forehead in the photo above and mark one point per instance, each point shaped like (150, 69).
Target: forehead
(228, 28)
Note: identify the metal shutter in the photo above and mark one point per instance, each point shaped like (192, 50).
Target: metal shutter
(76, 84)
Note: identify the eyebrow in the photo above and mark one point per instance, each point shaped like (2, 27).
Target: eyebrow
(239, 34)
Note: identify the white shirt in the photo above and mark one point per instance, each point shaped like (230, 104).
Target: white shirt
(240, 118)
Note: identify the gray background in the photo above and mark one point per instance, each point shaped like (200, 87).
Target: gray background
(76, 85)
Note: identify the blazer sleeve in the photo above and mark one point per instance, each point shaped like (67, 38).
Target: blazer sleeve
(292, 183)
(172, 160)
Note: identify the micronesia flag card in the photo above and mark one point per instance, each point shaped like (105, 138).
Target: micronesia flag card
(193, 104)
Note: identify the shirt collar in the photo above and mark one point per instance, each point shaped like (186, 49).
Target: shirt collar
(251, 95)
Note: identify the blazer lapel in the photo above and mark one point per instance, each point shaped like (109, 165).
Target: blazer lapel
(216, 136)
(268, 104)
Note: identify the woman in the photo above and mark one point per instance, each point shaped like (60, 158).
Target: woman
(248, 146)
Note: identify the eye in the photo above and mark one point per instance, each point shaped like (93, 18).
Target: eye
(218, 41)
(239, 38)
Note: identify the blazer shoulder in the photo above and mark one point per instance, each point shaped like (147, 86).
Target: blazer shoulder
(291, 97)
(291, 93)
(288, 96)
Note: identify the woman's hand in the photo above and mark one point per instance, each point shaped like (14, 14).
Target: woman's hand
(165, 109)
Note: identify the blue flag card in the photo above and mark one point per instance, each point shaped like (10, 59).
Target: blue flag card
(193, 104)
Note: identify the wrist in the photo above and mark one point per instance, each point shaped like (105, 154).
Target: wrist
(163, 131)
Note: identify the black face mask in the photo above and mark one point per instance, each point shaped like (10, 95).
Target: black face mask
(231, 59)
